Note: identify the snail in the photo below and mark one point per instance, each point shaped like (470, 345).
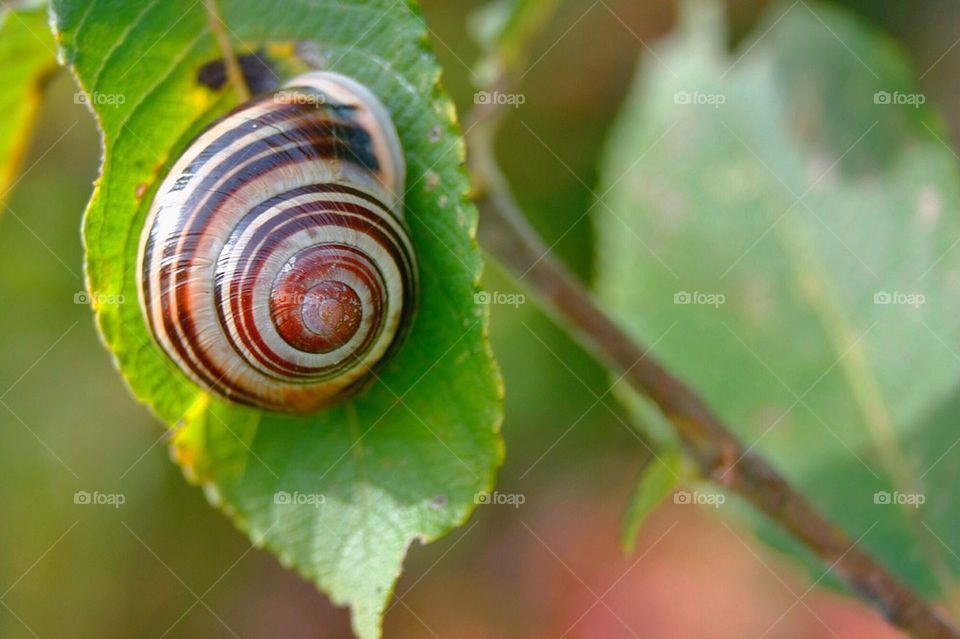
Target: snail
(275, 267)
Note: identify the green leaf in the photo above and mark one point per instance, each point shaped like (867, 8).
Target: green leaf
(403, 460)
(27, 57)
(659, 478)
(771, 218)
(504, 27)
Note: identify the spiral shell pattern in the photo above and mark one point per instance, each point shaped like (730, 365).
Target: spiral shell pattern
(275, 266)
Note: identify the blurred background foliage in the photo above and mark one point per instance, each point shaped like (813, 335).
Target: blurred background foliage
(166, 564)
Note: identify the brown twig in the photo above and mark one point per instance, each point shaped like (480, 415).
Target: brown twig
(505, 233)
(219, 29)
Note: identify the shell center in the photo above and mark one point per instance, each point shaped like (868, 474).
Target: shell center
(332, 311)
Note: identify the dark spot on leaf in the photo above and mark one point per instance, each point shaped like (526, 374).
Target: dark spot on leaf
(256, 68)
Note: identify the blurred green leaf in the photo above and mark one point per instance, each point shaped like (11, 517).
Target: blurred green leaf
(659, 478)
(505, 27)
(27, 57)
(781, 224)
(403, 460)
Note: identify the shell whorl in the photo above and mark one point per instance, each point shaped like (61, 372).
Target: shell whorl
(275, 266)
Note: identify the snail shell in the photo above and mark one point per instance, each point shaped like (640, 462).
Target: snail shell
(275, 266)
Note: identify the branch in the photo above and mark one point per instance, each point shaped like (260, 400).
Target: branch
(230, 63)
(506, 234)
